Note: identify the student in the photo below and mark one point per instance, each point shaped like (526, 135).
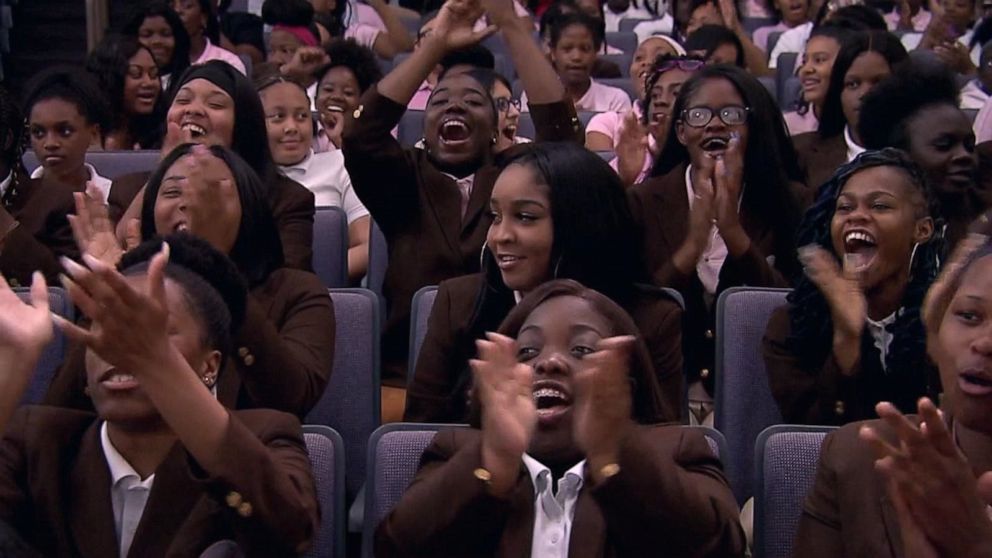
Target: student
(908, 15)
(917, 484)
(286, 346)
(472, 56)
(603, 131)
(601, 68)
(381, 31)
(129, 75)
(851, 335)
(855, 17)
(353, 69)
(950, 35)
(66, 115)
(161, 468)
(976, 92)
(199, 17)
(158, 28)
(213, 105)
(916, 110)
(431, 203)
(558, 212)
(290, 129)
(563, 397)
(643, 135)
(722, 205)
(814, 76)
(788, 15)
(864, 61)
(293, 44)
(575, 40)
(716, 45)
(723, 14)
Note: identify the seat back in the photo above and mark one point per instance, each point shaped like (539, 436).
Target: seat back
(351, 402)
(326, 450)
(420, 314)
(378, 262)
(110, 164)
(621, 83)
(628, 24)
(716, 441)
(330, 246)
(786, 69)
(411, 128)
(621, 60)
(623, 40)
(785, 457)
(53, 355)
(743, 400)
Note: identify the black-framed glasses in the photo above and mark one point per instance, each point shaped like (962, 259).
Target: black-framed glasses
(731, 115)
(503, 103)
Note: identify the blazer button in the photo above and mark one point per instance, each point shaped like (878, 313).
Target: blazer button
(709, 334)
(244, 510)
(234, 499)
(243, 352)
(358, 111)
(704, 373)
(249, 360)
(839, 408)
(14, 283)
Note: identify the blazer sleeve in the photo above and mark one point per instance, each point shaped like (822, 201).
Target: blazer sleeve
(266, 487)
(285, 364)
(670, 494)
(447, 511)
(23, 253)
(819, 532)
(429, 396)
(557, 122)
(14, 491)
(804, 395)
(383, 175)
(293, 211)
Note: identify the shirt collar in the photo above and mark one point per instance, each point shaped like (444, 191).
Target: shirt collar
(536, 469)
(120, 469)
(853, 149)
(40, 171)
(5, 183)
(300, 168)
(469, 180)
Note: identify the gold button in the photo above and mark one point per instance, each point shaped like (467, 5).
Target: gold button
(839, 407)
(709, 334)
(358, 111)
(483, 475)
(243, 352)
(234, 499)
(704, 373)
(14, 283)
(244, 510)
(249, 360)
(609, 470)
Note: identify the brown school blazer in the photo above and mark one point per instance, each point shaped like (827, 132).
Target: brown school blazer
(55, 489)
(43, 233)
(661, 209)
(848, 512)
(419, 209)
(819, 158)
(283, 353)
(292, 207)
(434, 395)
(670, 498)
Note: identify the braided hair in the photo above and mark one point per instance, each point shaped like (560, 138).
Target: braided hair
(809, 312)
(12, 128)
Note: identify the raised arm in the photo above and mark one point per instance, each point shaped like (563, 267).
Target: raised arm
(396, 39)
(25, 330)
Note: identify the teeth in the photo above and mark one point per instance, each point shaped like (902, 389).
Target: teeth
(195, 129)
(508, 258)
(549, 392)
(182, 227)
(859, 236)
(120, 378)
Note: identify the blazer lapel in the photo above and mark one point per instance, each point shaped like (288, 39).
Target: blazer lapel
(445, 203)
(588, 529)
(518, 534)
(478, 200)
(168, 507)
(891, 525)
(91, 515)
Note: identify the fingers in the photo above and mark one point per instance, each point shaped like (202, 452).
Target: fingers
(39, 291)
(985, 487)
(132, 236)
(907, 432)
(73, 331)
(935, 429)
(156, 275)
(819, 265)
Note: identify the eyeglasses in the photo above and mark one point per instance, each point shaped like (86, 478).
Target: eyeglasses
(686, 65)
(731, 115)
(503, 103)
(136, 72)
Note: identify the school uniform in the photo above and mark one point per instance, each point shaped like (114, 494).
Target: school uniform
(100, 182)
(598, 98)
(291, 203)
(660, 207)
(973, 95)
(42, 234)
(324, 175)
(801, 123)
(57, 490)
(282, 358)
(214, 52)
(760, 36)
(435, 224)
(920, 21)
(794, 41)
(440, 389)
(669, 498)
(819, 158)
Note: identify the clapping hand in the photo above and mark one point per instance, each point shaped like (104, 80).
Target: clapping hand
(848, 306)
(92, 228)
(454, 24)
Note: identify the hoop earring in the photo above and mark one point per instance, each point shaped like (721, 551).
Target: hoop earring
(554, 274)
(912, 257)
(482, 255)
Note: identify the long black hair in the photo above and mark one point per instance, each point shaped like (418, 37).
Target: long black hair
(708, 38)
(11, 133)
(257, 250)
(885, 44)
(839, 34)
(162, 8)
(72, 85)
(809, 312)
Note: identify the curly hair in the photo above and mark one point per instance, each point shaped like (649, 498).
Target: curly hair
(809, 313)
(357, 58)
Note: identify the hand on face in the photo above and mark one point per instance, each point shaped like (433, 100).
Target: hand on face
(848, 306)
(24, 329)
(333, 121)
(603, 402)
(728, 174)
(453, 26)
(213, 210)
(174, 137)
(631, 148)
(942, 291)
(92, 229)
(931, 480)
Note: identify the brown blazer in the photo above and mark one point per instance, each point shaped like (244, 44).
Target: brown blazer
(439, 389)
(819, 158)
(848, 512)
(292, 207)
(419, 209)
(660, 206)
(670, 498)
(822, 394)
(43, 233)
(283, 354)
(55, 489)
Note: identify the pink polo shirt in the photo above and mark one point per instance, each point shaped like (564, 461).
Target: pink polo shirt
(801, 123)
(598, 98)
(214, 52)
(611, 124)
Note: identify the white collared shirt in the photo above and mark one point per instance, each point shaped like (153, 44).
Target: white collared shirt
(324, 175)
(709, 265)
(128, 492)
(853, 149)
(880, 334)
(103, 184)
(553, 513)
(912, 40)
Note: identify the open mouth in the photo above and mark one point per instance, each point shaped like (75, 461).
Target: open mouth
(507, 261)
(115, 380)
(454, 131)
(552, 401)
(181, 226)
(195, 130)
(975, 383)
(860, 248)
(510, 132)
(715, 144)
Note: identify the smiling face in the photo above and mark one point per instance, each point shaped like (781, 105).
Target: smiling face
(60, 136)
(965, 339)
(282, 46)
(337, 95)
(509, 116)
(117, 395)
(521, 235)
(156, 35)
(645, 55)
(288, 122)
(141, 84)
(960, 14)
(942, 143)
(712, 138)
(205, 111)
(663, 96)
(459, 123)
(175, 203)
(574, 55)
(879, 216)
(814, 74)
(865, 73)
